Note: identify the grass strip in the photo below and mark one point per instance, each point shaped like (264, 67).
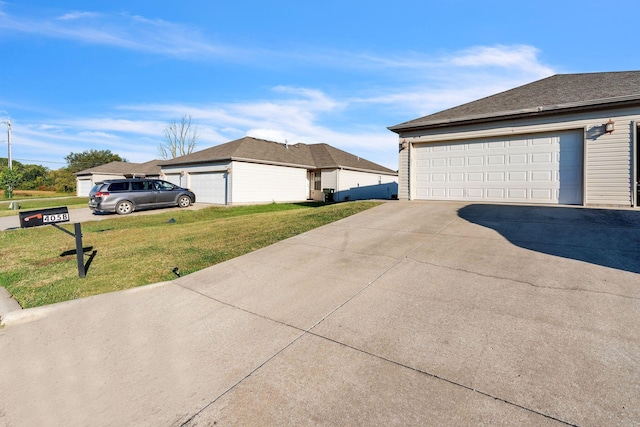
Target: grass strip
(140, 250)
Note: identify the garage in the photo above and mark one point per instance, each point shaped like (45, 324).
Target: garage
(538, 168)
(568, 139)
(84, 187)
(209, 187)
(174, 178)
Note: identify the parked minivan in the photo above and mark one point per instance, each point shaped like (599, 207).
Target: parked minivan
(123, 196)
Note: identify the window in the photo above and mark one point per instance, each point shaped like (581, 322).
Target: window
(119, 186)
(163, 185)
(317, 181)
(141, 185)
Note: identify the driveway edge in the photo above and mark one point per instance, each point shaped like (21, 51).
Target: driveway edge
(7, 304)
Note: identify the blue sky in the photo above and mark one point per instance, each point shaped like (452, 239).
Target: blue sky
(80, 75)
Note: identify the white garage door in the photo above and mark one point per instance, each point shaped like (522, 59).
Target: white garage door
(174, 178)
(543, 168)
(84, 187)
(210, 187)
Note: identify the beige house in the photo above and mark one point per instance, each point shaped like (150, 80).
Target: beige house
(567, 139)
(252, 170)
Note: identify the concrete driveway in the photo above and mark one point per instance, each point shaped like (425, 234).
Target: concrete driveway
(407, 314)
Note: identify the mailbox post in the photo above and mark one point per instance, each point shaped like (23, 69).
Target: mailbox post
(54, 216)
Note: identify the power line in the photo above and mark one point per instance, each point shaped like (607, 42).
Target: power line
(41, 161)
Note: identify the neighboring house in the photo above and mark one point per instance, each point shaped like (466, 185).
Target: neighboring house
(567, 139)
(250, 170)
(87, 178)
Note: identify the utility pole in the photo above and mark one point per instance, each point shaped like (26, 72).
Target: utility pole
(8, 122)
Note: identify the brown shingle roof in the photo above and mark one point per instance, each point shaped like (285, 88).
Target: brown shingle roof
(121, 168)
(313, 156)
(553, 94)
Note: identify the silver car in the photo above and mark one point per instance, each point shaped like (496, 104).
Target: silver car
(123, 196)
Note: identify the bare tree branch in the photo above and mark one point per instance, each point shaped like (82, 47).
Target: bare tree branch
(180, 138)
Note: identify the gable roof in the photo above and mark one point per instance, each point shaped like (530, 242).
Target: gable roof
(310, 156)
(558, 93)
(123, 168)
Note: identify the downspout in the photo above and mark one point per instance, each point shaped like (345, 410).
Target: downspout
(410, 170)
(634, 162)
(585, 153)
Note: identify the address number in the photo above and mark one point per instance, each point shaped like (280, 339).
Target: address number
(55, 218)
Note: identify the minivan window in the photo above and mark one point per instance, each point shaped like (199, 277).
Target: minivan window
(119, 186)
(163, 185)
(141, 185)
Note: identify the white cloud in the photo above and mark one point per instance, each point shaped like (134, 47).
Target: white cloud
(519, 57)
(355, 120)
(77, 15)
(120, 30)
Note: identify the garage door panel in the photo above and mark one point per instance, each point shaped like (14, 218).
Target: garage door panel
(475, 161)
(518, 143)
(495, 176)
(518, 158)
(475, 177)
(517, 193)
(538, 168)
(209, 187)
(519, 176)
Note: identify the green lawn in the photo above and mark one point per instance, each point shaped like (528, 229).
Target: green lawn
(140, 250)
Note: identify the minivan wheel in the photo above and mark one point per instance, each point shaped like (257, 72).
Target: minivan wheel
(125, 207)
(184, 201)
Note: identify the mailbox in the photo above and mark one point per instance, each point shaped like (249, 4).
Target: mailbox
(44, 217)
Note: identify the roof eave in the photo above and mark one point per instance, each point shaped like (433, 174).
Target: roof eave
(379, 172)
(195, 162)
(239, 159)
(607, 103)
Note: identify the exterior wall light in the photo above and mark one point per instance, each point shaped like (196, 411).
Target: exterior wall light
(608, 127)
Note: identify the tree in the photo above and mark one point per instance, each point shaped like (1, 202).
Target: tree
(63, 180)
(180, 138)
(34, 177)
(10, 179)
(89, 159)
(4, 163)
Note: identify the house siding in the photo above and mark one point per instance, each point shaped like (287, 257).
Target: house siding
(608, 162)
(403, 178)
(608, 165)
(349, 181)
(259, 183)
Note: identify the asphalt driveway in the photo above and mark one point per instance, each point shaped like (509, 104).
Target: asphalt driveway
(410, 313)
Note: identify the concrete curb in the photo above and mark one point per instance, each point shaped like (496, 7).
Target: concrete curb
(7, 304)
(19, 315)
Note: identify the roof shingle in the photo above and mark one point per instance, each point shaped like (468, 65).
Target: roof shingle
(148, 168)
(561, 91)
(312, 156)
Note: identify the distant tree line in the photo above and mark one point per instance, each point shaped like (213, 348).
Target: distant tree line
(38, 177)
(181, 138)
